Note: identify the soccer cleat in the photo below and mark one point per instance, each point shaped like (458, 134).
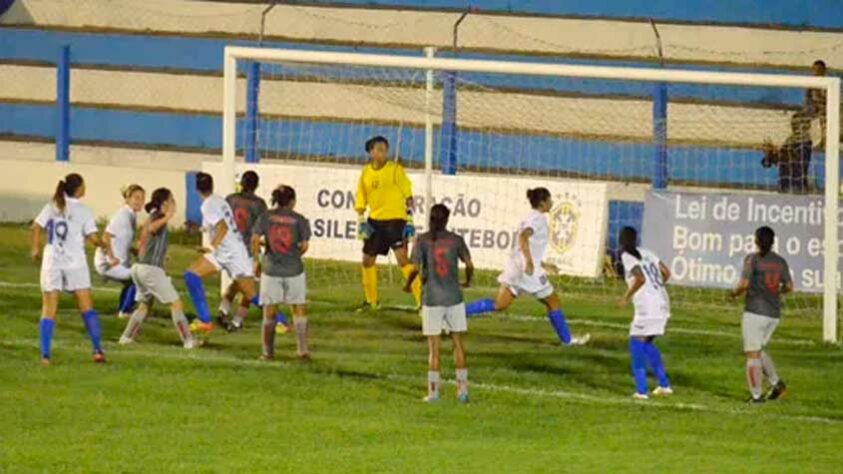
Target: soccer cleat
(662, 391)
(755, 401)
(99, 357)
(367, 307)
(125, 340)
(431, 399)
(122, 315)
(45, 361)
(192, 344)
(777, 391)
(580, 341)
(223, 320)
(198, 327)
(281, 328)
(233, 326)
(640, 396)
(463, 397)
(267, 357)
(304, 357)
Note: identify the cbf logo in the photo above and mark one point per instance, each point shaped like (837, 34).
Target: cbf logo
(564, 222)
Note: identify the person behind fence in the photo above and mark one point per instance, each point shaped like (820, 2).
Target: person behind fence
(793, 157)
(814, 106)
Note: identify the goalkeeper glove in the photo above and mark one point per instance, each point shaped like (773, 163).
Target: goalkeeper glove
(364, 229)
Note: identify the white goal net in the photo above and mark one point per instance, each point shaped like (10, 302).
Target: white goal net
(695, 161)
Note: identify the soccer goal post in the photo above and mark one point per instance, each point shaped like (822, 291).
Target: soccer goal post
(476, 134)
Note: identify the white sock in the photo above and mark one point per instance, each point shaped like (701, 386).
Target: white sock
(225, 306)
(301, 334)
(462, 381)
(433, 383)
(769, 368)
(753, 377)
(240, 316)
(134, 324)
(181, 325)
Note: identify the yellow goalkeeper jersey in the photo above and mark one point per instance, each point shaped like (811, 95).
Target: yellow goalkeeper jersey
(384, 192)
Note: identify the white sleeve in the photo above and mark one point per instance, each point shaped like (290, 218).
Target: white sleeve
(116, 223)
(89, 224)
(213, 213)
(44, 216)
(629, 262)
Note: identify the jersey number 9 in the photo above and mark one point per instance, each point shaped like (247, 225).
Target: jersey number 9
(56, 231)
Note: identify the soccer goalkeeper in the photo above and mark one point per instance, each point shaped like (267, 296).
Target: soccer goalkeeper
(386, 191)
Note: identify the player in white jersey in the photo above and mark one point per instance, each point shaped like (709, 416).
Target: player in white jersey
(113, 261)
(68, 224)
(646, 277)
(226, 251)
(525, 273)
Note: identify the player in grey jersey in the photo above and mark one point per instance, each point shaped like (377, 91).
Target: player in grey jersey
(286, 235)
(436, 255)
(765, 278)
(148, 273)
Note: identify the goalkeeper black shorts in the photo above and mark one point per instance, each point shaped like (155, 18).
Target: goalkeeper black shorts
(386, 235)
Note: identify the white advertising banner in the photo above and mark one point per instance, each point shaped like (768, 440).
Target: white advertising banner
(485, 210)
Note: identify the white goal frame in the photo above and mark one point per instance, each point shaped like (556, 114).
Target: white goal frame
(429, 64)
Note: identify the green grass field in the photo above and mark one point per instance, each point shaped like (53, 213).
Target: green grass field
(536, 406)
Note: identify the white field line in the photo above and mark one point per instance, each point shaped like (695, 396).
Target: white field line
(206, 355)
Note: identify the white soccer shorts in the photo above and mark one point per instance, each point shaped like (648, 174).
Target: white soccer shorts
(757, 331)
(647, 327)
(235, 261)
(153, 282)
(69, 280)
(437, 318)
(283, 290)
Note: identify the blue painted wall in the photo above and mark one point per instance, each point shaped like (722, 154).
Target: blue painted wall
(621, 161)
(793, 13)
(205, 55)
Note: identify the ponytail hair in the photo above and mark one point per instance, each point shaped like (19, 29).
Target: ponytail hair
(439, 214)
(628, 240)
(764, 237)
(537, 196)
(127, 191)
(67, 187)
(283, 195)
(159, 197)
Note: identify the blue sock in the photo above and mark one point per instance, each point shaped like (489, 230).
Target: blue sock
(122, 298)
(92, 325)
(45, 332)
(197, 296)
(654, 357)
(255, 301)
(557, 320)
(637, 351)
(128, 299)
(479, 307)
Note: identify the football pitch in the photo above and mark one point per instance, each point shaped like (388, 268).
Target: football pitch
(535, 406)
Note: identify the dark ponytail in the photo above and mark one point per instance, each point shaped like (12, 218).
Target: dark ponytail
(628, 239)
(764, 237)
(283, 195)
(159, 197)
(439, 214)
(537, 196)
(67, 187)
